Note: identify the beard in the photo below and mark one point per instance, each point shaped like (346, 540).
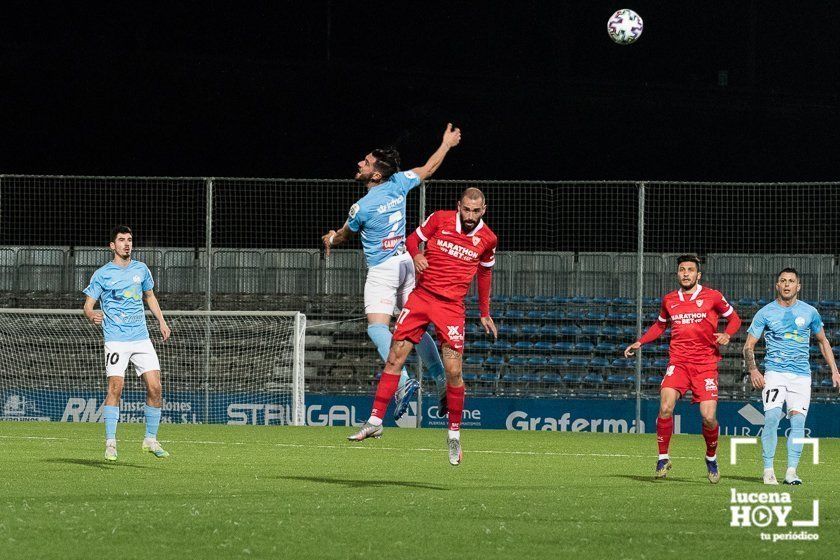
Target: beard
(689, 287)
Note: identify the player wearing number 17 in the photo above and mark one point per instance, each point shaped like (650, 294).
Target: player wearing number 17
(692, 312)
(120, 287)
(459, 245)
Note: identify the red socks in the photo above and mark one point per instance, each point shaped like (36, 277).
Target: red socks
(388, 384)
(711, 437)
(455, 403)
(664, 429)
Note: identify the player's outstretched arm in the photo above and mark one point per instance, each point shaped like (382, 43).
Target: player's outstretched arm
(333, 238)
(756, 378)
(154, 307)
(94, 317)
(654, 332)
(828, 355)
(451, 138)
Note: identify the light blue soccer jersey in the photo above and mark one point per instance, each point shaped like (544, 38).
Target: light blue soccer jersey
(380, 215)
(120, 294)
(788, 335)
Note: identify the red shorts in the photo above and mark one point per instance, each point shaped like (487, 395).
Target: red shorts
(702, 380)
(422, 309)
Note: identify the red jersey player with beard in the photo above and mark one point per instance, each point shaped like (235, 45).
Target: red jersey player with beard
(692, 311)
(459, 245)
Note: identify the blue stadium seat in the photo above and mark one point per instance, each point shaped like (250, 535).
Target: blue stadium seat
(520, 299)
(611, 331)
(531, 378)
(565, 347)
(518, 361)
(660, 363)
(512, 377)
(616, 379)
(572, 378)
(535, 314)
(654, 380)
(473, 313)
(554, 315)
(523, 346)
(814, 350)
(569, 330)
(514, 314)
(599, 362)
(481, 345)
(489, 377)
(538, 361)
(499, 298)
(593, 379)
(542, 299)
(616, 316)
(494, 361)
(506, 330)
(606, 348)
(826, 384)
(543, 346)
(550, 331)
(579, 362)
(601, 301)
(473, 329)
(551, 378)
(474, 360)
(622, 301)
(590, 330)
(501, 345)
(651, 302)
(557, 361)
(469, 376)
(622, 363)
(581, 300)
(584, 347)
(595, 316)
(530, 329)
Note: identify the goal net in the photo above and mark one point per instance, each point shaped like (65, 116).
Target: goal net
(232, 367)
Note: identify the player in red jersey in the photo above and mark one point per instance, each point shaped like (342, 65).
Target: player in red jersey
(692, 311)
(459, 245)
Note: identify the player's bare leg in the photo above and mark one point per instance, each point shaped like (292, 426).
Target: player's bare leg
(711, 431)
(400, 349)
(379, 332)
(664, 428)
(455, 391)
(154, 400)
(111, 414)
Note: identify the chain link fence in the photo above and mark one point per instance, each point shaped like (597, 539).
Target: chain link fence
(580, 268)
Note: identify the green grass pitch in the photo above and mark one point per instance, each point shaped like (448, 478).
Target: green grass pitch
(270, 492)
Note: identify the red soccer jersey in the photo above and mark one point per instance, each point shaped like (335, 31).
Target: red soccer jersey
(694, 318)
(453, 256)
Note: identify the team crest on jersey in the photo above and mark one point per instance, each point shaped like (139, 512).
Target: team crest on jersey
(800, 322)
(669, 371)
(136, 279)
(476, 240)
(699, 303)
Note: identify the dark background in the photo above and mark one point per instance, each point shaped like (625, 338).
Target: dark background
(741, 90)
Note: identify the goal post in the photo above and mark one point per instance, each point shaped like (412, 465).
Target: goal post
(233, 367)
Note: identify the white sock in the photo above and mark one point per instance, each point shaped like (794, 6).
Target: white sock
(768, 470)
(790, 473)
(454, 434)
(375, 421)
(664, 456)
(110, 442)
(712, 458)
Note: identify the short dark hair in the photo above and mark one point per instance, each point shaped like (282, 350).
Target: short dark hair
(688, 257)
(473, 193)
(790, 270)
(387, 161)
(118, 230)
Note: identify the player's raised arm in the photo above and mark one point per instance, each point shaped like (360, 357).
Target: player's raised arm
(828, 356)
(756, 378)
(154, 307)
(451, 138)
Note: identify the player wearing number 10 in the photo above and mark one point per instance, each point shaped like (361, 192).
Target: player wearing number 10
(120, 287)
(789, 324)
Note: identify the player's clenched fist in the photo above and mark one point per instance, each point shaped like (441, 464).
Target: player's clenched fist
(328, 241)
(420, 263)
(96, 318)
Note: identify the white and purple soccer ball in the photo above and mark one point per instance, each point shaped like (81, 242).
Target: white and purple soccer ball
(625, 27)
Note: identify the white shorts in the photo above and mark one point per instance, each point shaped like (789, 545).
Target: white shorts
(388, 284)
(786, 388)
(141, 353)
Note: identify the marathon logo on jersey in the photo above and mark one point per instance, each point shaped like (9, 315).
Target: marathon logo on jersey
(688, 318)
(391, 242)
(457, 251)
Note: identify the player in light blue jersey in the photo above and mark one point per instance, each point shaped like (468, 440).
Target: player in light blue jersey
(120, 287)
(789, 325)
(379, 217)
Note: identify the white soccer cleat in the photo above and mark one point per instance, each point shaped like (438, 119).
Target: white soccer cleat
(770, 477)
(153, 447)
(792, 478)
(111, 450)
(366, 431)
(455, 453)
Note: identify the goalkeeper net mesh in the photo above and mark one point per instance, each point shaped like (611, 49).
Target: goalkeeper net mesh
(217, 367)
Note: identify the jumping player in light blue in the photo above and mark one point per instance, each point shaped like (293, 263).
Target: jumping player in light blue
(789, 325)
(379, 217)
(120, 287)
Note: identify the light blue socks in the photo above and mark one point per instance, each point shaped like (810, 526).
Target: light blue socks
(428, 352)
(152, 421)
(110, 414)
(380, 334)
(797, 430)
(770, 435)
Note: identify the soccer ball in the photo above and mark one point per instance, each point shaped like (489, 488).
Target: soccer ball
(625, 27)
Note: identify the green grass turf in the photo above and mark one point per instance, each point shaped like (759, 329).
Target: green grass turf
(274, 492)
